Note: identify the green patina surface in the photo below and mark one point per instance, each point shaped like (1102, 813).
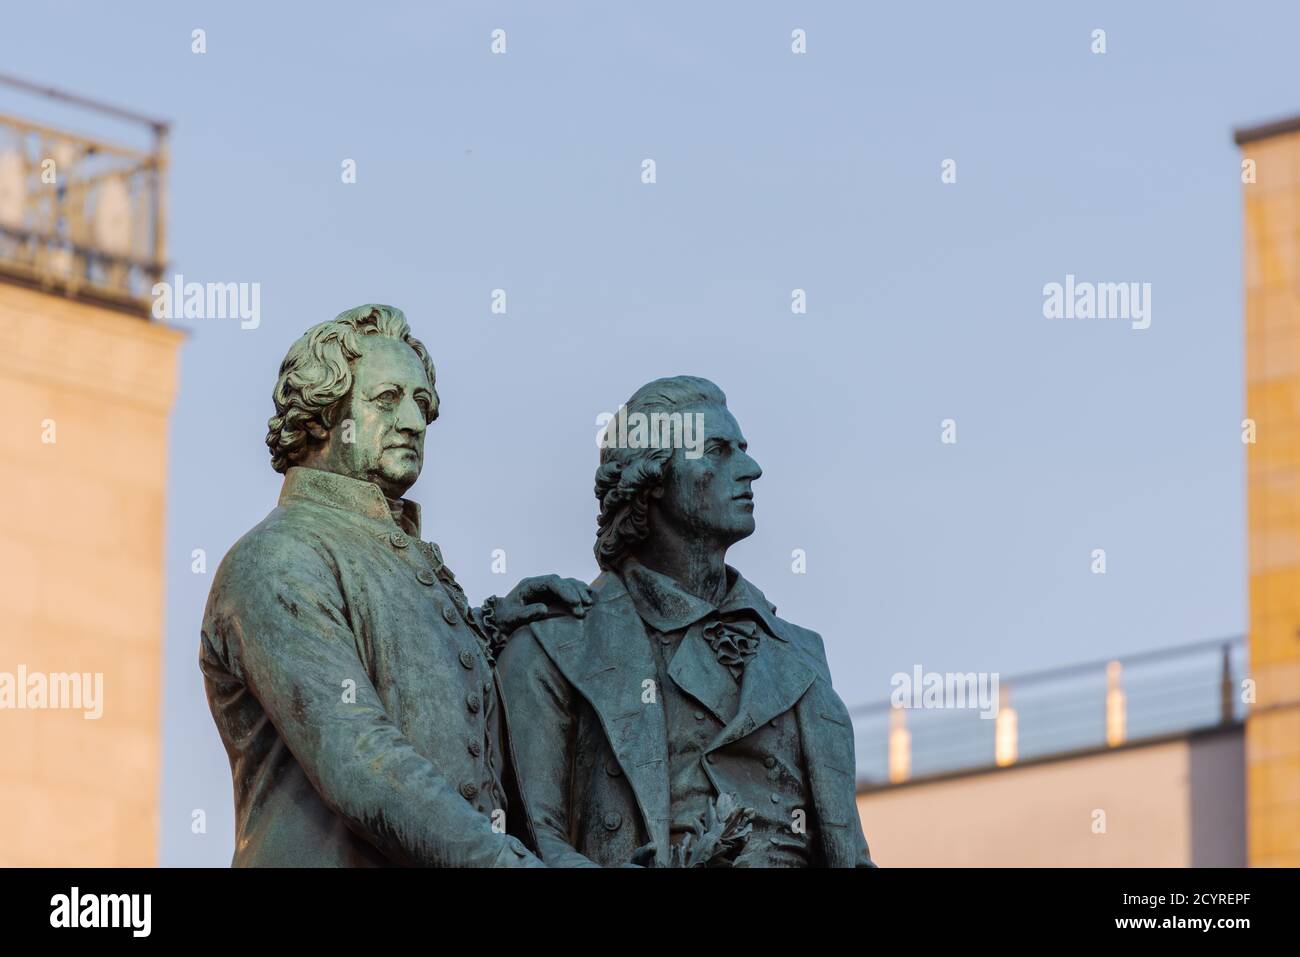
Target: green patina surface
(664, 716)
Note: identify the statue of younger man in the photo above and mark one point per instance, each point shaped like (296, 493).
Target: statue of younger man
(679, 722)
(351, 682)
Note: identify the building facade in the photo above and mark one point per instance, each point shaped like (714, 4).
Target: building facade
(1271, 189)
(86, 385)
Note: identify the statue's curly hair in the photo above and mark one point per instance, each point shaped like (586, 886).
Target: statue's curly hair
(317, 373)
(627, 477)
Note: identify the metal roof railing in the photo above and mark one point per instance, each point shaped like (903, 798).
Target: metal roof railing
(1081, 707)
(80, 215)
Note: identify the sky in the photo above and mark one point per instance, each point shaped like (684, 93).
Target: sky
(774, 171)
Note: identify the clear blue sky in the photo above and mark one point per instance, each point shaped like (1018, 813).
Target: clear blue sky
(775, 171)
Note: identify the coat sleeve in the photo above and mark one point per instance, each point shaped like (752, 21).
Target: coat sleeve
(815, 649)
(864, 853)
(538, 702)
(285, 632)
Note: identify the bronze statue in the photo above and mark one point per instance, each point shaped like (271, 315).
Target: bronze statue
(351, 682)
(679, 721)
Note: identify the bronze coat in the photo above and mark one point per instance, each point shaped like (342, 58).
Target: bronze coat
(591, 756)
(351, 689)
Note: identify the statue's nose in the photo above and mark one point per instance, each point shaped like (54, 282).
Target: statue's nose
(409, 417)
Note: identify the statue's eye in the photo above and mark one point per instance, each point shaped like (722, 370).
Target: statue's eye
(388, 395)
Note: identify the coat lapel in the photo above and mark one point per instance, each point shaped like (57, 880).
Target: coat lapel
(773, 681)
(695, 669)
(607, 658)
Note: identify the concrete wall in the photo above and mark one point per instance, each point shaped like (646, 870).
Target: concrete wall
(81, 581)
(1176, 803)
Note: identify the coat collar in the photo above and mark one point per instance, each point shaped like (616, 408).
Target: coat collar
(349, 494)
(666, 606)
(774, 679)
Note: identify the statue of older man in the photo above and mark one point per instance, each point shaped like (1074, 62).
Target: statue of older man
(351, 682)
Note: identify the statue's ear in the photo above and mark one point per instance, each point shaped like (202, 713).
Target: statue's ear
(657, 492)
(318, 431)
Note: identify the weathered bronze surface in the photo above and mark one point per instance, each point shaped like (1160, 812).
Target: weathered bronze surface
(679, 722)
(663, 717)
(350, 680)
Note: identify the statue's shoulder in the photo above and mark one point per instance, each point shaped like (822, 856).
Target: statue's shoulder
(807, 641)
(553, 631)
(804, 640)
(286, 537)
(564, 637)
(608, 587)
(539, 645)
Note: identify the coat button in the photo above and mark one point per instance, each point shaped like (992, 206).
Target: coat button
(469, 791)
(612, 769)
(467, 660)
(473, 703)
(449, 614)
(425, 576)
(475, 748)
(776, 798)
(399, 539)
(519, 849)
(769, 762)
(699, 716)
(613, 820)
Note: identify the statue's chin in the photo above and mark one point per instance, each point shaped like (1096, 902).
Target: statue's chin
(742, 530)
(397, 482)
(398, 468)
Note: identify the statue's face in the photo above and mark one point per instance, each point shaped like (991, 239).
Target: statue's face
(709, 498)
(389, 406)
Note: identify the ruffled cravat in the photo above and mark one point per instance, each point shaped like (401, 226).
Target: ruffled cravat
(734, 641)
